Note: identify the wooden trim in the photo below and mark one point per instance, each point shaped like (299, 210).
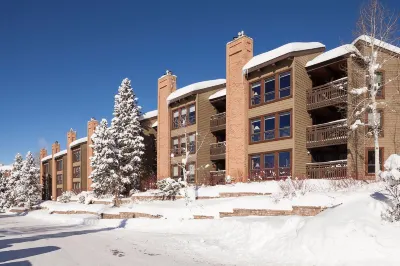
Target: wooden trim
(262, 89)
(381, 154)
(262, 118)
(276, 159)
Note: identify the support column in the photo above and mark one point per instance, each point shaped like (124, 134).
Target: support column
(71, 136)
(43, 153)
(92, 124)
(166, 85)
(54, 149)
(238, 53)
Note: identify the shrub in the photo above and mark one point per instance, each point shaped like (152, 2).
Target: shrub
(391, 177)
(85, 197)
(65, 196)
(169, 187)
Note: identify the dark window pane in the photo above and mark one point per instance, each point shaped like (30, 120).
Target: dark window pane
(192, 114)
(269, 160)
(284, 125)
(284, 85)
(284, 159)
(256, 130)
(269, 127)
(270, 89)
(255, 162)
(255, 94)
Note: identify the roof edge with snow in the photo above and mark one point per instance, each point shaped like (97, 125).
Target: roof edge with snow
(78, 141)
(149, 115)
(332, 54)
(377, 42)
(60, 153)
(48, 157)
(218, 94)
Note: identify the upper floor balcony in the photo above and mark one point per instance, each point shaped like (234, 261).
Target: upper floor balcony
(217, 151)
(218, 122)
(331, 93)
(327, 134)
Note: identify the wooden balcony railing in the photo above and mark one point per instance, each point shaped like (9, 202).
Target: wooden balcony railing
(329, 170)
(218, 122)
(217, 151)
(332, 93)
(327, 134)
(269, 174)
(217, 177)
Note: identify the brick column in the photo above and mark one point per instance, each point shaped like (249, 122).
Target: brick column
(238, 53)
(43, 153)
(71, 136)
(91, 126)
(166, 85)
(54, 149)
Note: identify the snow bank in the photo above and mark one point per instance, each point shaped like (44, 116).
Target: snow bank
(73, 206)
(218, 94)
(334, 53)
(378, 42)
(77, 142)
(60, 153)
(278, 52)
(393, 162)
(148, 115)
(193, 88)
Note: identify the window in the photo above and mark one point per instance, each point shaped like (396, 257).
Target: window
(183, 144)
(175, 171)
(256, 93)
(59, 179)
(284, 124)
(192, 143)
(192, 173)
(192, 114)
(269, 127)
(284, 163)
(77, 185)
(175, 119)
(371, 124)
(76, 155)
(269, 89)
(59, 164)
(46, 169)
(184, 117)
(256, 130)
(76, 171)
(371, 160)
(270, 165)
(379, 80)
(175, 146)
(255, 162)
(284, 85)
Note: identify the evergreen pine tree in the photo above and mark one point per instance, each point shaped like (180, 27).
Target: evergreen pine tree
(13, 183)
(29, 184)
(126, 131)
(104, 162)
(3, 184)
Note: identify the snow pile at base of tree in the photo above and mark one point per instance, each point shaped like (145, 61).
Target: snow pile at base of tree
(334, 53)
(78, 141)
(193, 88)
(149, 114)
(280, 51)
(218, 94)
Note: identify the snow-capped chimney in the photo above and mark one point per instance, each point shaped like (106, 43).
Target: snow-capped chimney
(91, 126)
(43, 153)
(166, 85)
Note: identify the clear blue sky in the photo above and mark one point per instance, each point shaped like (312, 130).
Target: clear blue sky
(61, 62)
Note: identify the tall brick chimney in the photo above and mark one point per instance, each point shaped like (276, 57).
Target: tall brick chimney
(43, 153)
(54, 149)
(91, 126)
(238, 53)
(71, 136)
(166, 85)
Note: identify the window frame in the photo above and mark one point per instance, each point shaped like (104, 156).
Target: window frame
(262, 82)
(57, 179)
(383, 84)
(59, 162)
(179, 110)
(179, 138)
(382, 122)
(74, 151)
(276, 130)
(276, 167)
(381, 154)
(73, 171)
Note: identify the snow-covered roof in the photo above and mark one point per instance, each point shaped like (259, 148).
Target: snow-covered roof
(283, 50)
(148, 115)
(379, 43)
(218, 94)
(155, 124)
(193, 88)
(77, 142)
(334, 53)
(48, 157)
(5, 168)
(60, 153)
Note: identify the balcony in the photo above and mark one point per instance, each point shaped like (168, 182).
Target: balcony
(217, 177)
(332, 93)
(217, 151)
(327, 170)
(269, 174)
(218, 122)
(327, 134)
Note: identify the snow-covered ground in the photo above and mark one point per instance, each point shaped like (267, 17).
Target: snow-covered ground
(352, 233)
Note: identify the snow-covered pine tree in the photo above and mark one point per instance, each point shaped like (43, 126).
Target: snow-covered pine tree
(29, 184)
(104, 162)
(3, 184)
(126, 131)
(13, 183)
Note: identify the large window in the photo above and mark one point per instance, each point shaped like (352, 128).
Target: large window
(175, 119)
(271, 127)
(370, 160)
(175, 146)
(59, 179)
(184, 116)
(192, 173)
(179, 144)
(371, 123)
(270, 165)
(271, 89)
(76, 155)
(379, 80)
(192, 143)
(192, 114)
(76, 172)
(59, 164)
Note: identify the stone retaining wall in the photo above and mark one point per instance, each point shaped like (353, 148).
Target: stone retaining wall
(296, 210)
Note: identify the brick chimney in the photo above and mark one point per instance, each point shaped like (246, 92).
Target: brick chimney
(238, 53)
(91, 126)
(71, 136)
(43, 153)
(54, 149)
(166, 85)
